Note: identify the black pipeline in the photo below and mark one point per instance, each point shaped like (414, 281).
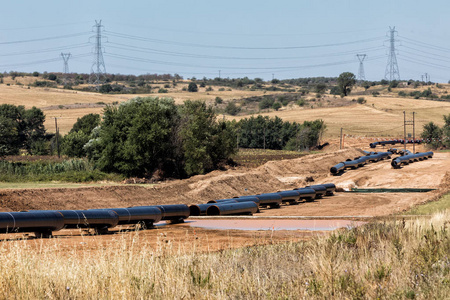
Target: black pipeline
(359, 161)
(393, 142)
(410, 158)
(229, 208)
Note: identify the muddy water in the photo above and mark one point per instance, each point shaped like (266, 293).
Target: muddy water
(272, 224)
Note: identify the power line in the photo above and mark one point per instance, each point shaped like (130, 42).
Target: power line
(45, 39)
(183, 54)
(224, 67)
(145, 39)
(40, 61)
(215, 33)
(46, 50)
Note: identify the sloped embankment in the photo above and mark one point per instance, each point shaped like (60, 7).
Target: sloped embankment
(272, 176)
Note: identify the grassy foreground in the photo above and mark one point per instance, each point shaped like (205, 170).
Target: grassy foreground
(393, 260)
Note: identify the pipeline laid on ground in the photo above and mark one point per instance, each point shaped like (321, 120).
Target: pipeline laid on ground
(359, 161)
(230, 208)
(393, 142)
(44, 222)
(396, 163)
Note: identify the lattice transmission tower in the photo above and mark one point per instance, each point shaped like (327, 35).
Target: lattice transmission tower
(65, 57)
(392, 72)
(98, 70)
(361, 75)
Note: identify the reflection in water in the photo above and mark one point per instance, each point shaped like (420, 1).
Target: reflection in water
(272, 224)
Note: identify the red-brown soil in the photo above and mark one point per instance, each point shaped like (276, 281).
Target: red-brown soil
(273, 176)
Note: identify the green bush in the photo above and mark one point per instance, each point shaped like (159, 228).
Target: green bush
(192, 87)
(361, 100)
(276, 105)
(266, 102)
(232, 109)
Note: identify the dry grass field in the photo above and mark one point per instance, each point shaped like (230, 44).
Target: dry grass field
(379, 116)
(390, 260)
(68, 105)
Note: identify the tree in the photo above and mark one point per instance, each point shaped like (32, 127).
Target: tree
(27, 127)
(34, 132)
(147, 134)
(73, 143)
(345, 83)
(446, 130)
(276, 105)
(192, 87)
(136, 138)
(321, 88)
(433, 133)
(205, 142)
(86, 123)
(9, 137)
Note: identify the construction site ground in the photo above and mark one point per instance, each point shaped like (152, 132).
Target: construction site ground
(271, 177)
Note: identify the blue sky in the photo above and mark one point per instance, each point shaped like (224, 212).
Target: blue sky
(281, 39)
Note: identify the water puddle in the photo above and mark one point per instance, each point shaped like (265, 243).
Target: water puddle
(273, 224)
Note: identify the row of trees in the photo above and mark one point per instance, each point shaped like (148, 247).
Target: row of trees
(274, 133)
(147, 134)
(438, 136)
(144, 135)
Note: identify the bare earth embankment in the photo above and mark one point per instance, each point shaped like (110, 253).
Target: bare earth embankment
(270, 177)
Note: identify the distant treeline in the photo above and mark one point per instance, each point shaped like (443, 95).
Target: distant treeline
(274, 133)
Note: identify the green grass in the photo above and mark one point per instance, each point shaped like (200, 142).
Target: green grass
(431, 207)
(44, 185)
(71, 170)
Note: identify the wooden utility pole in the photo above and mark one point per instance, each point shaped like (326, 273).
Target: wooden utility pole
(57, 138)
(340, 140)
(410, 123)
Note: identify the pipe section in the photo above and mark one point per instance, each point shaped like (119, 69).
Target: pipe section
(98, 219)
(393, 142)
(291, 196)
(269, 199)
(134, 215)
(306, 193)
(200, 209)
(228, 208)
(359, 161)
(40, 222)
(320, 190)
(396, 163)
(176, 213)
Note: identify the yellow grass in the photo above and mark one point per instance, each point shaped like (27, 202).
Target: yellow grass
(50, 99)
(380, 116)
(390, 260)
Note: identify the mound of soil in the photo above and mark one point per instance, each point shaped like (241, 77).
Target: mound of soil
(270, 177)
